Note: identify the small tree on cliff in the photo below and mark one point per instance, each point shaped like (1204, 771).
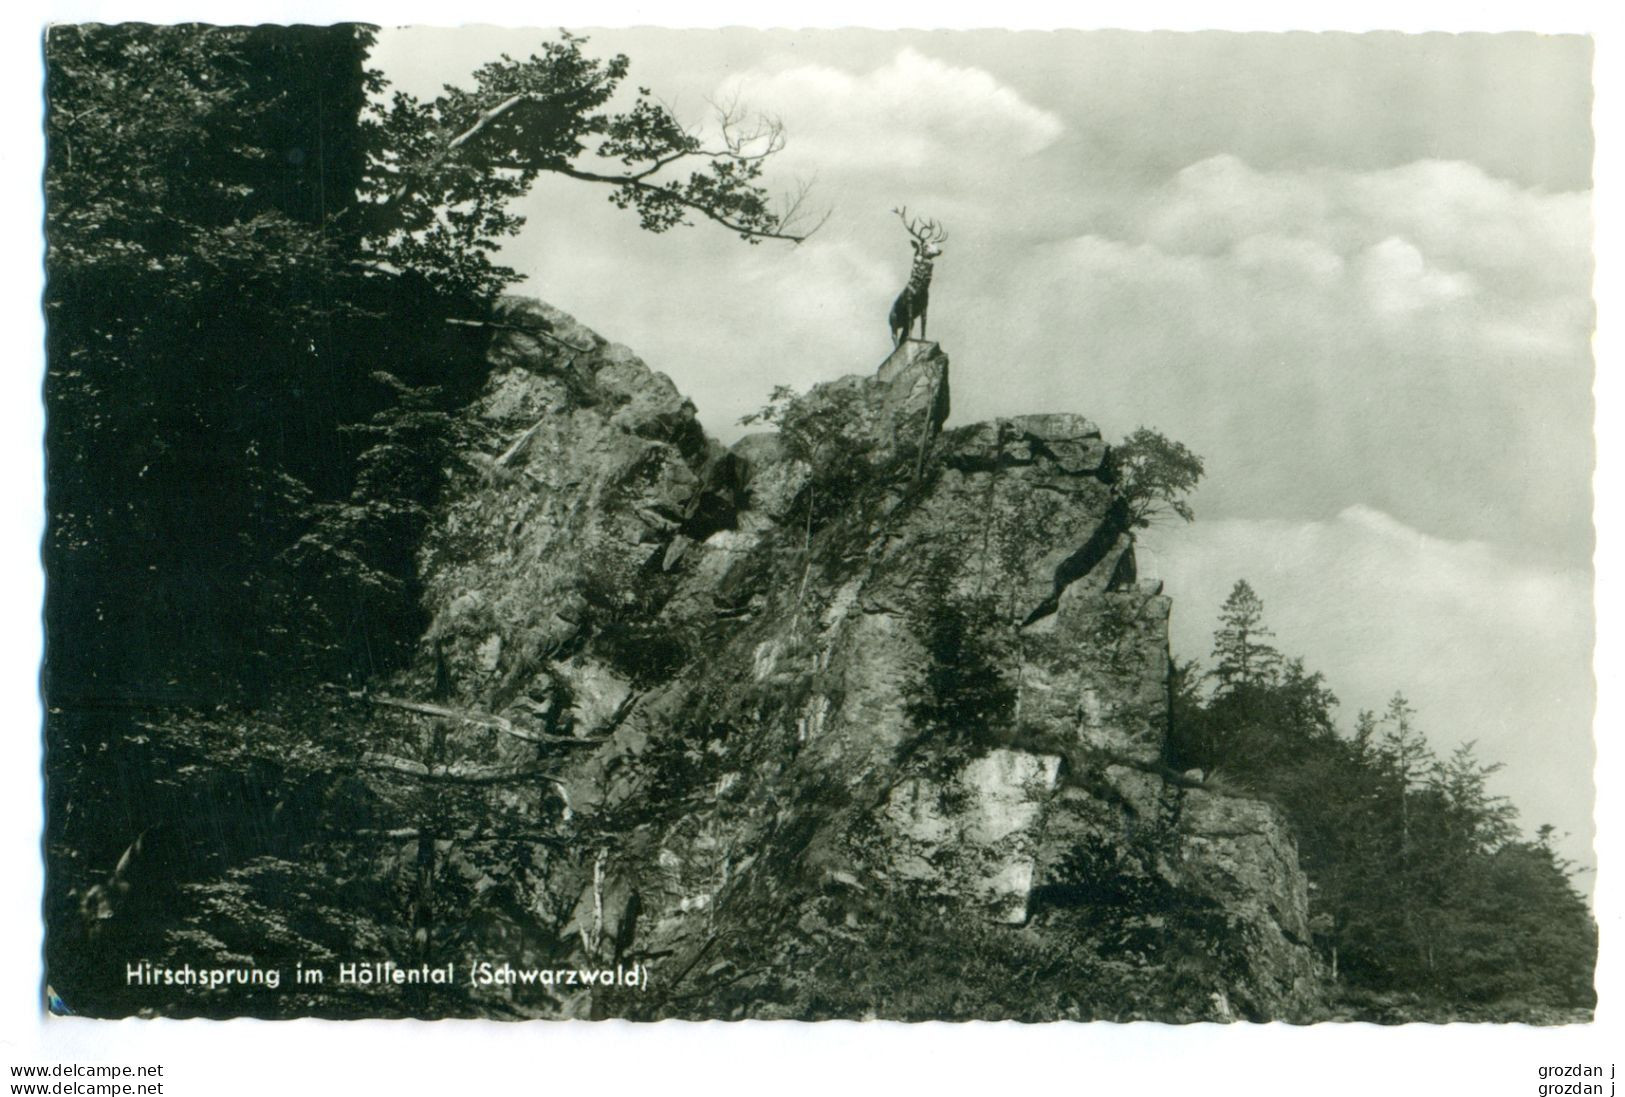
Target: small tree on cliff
(818, 432)
(1154, 474)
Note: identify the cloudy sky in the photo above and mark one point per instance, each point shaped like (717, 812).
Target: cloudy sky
(1351, 271)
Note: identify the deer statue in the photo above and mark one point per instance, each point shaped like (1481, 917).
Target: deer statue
(910, 305)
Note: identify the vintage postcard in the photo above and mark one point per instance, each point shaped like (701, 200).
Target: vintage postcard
(810, 525)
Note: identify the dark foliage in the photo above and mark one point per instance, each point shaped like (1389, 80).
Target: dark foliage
(251, 265)
(265, 294)
(1153, 475)
(645, 653)
(819, 434)
(213, 334)
(1420, 884)
(963, 703)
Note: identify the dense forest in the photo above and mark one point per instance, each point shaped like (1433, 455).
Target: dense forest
(269, 280)
(1427, 895)
(266, 284)
(270, 288)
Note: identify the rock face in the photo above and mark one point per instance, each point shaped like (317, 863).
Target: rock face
(859, 718)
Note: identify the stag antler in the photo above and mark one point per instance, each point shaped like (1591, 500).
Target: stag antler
(926, 232)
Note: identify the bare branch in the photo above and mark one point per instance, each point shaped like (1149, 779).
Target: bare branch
(768, 133)
(794, 211)
(767, 130)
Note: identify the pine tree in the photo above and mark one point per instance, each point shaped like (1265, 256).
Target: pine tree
(1478, 821)
(1242, 655)
(1365, 733)
(1404, 748)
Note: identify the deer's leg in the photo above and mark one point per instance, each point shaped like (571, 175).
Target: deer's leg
(902, 318)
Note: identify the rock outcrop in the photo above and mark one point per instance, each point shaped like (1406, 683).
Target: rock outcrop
(858, 718)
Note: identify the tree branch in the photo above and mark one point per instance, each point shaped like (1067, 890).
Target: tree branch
(455, 772)
(482, 719)
(498, 325)
(637, 183)
(481, 123)
(647, 141)
(469, 834)
(708, 154)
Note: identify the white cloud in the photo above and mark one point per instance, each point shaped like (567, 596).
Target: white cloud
(1457, 220)
(1398, 279)
(1525, 241)
(1272, 256)
(914, 114)
(1214, 203)
(1416, 337)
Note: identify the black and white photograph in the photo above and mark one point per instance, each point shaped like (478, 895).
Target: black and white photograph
(635, 523)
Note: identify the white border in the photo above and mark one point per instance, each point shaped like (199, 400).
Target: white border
(252, 1058)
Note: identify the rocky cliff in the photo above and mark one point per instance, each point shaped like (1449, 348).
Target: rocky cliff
(857, 718)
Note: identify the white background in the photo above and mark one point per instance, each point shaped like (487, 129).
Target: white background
(410, 1058)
